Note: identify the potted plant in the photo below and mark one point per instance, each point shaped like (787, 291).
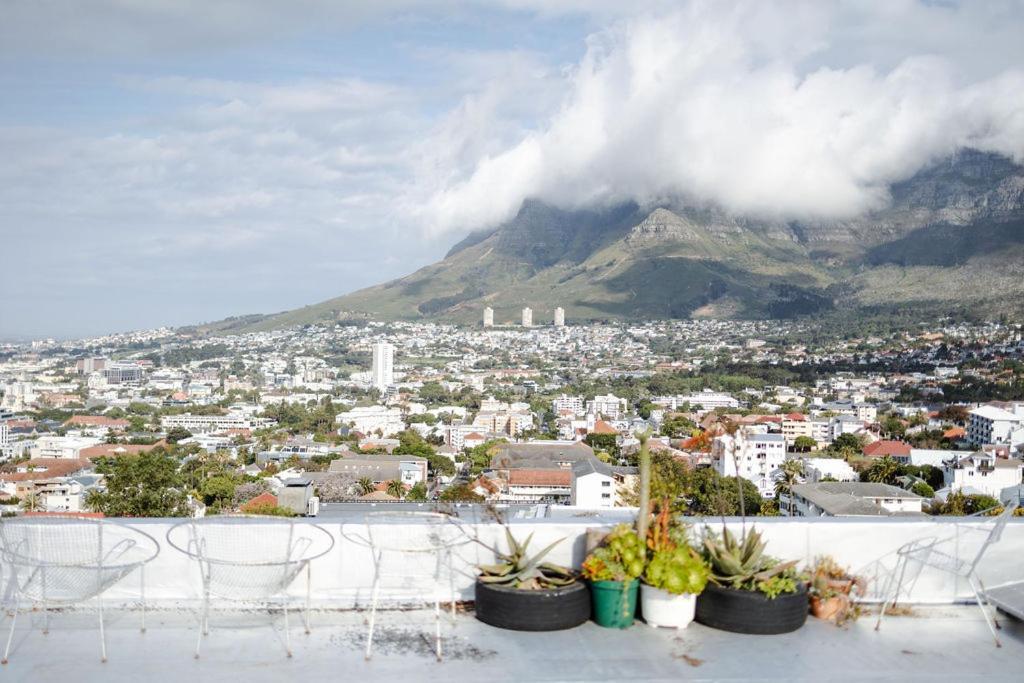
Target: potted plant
(613, 570)
(830, 588)
(523, 593)
(749, 592)
(674, 576)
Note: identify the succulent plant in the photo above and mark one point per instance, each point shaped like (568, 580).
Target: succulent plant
(673, 565)
(518, 569)
(741, 563)
(621, 557)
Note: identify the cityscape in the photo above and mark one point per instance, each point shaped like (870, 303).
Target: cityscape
(559, 341)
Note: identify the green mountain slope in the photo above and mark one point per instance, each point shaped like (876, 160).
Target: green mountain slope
(952, 238)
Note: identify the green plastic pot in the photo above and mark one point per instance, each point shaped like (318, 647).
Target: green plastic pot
(614, 602)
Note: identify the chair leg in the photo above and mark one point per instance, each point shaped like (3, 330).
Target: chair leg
(981, 585)
(984, 612)
(204, 624)
(373, 610)
(142, 595)
(287, 631)
(103, 634)
(451, 587)
(437, 619)
(10, 635)
(902, 568)
(305, 614)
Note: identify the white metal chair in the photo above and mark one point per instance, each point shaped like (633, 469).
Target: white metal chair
(250, 558)
(414, 545)
(926, 552)
(59, 561)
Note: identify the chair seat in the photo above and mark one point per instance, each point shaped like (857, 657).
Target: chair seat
(937, 559)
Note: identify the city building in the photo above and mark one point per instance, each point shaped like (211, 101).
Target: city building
(488, 317)
(527, 317)
(559, 317)
(849, 499)
(593, 484)
(383, 370)
(817, 469)
(372, 420)
(981, 472)
(992, 425)
(85, 366)
(408, 469)
(884, 448)
(752, 454)
(121, 373)
(204, 424)
(567, 404)
(610, 405)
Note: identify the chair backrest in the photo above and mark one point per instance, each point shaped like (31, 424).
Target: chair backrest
(996, 533)
(412, 532)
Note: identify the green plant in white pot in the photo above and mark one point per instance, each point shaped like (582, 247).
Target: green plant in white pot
(675, 575)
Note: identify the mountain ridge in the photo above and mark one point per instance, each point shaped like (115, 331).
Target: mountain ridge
(951, 237)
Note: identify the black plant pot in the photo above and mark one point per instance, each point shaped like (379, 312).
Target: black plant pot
(741, 611)
(523, 610)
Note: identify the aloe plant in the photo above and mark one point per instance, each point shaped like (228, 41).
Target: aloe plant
(520, 570)
(742, 563)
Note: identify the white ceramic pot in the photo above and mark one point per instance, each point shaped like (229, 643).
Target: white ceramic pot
(661, 608)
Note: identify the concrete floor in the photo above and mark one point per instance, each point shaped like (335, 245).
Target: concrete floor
(949, 643)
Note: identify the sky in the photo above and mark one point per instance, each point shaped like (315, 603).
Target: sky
(167, 162)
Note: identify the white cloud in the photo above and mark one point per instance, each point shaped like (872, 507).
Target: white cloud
(738, 105)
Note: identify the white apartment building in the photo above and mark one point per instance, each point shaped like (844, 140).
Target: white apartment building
(849, 499)
(559, 317)
(488, 317)
(752, 454)
(982, 472)
(816, 469)
(992, 425)
(565, 402)
(527, 317)
(64, 447)
(383, 371)
(204, 424)
(5, 434)
(371, 419)
(593, 485)
(844, 424)
(707, 400)
(611, 406)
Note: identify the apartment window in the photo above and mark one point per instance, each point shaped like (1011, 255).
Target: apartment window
(606, 495)
(606, 483)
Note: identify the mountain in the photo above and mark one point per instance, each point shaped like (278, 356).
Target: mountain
(950, 240)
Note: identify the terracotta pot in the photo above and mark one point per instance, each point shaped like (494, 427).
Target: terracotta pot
(828, 608)
(841, 585)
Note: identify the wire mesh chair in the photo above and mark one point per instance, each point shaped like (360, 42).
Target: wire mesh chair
(927, 552)
(247, 558)
(413, 545)
(63, 561)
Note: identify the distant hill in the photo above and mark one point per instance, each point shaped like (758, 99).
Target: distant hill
(951, 240)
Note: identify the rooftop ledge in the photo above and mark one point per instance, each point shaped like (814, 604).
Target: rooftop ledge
(942, 636)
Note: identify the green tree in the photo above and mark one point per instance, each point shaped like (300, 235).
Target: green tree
(677, 426)
(603, 442)
(713, 494)
(176, 434)
(218, 491)
(417, 492)
(789, 475)
(922, 489)
(883, 471)
(395, 488)
(460, 493)
(804, 444)
(144, 485)
(847, 445)
(366, 486)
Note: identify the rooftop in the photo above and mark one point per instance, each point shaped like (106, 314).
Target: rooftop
(947, 643)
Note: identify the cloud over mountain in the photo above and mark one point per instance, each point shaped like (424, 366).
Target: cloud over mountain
(747, 105)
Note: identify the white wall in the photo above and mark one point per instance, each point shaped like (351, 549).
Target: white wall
(342, 578)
